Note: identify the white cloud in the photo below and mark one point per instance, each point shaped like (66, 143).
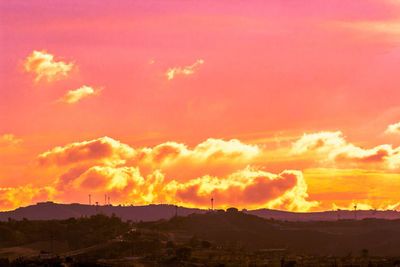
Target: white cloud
(187, 70)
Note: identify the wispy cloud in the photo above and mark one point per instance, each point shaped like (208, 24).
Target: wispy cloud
(9, 139)
(73, 96)
(45, 67)
(187, 70)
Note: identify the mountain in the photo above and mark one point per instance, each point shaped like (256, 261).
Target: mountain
(50, 210)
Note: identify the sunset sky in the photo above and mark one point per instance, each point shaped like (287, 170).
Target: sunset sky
(290, 105)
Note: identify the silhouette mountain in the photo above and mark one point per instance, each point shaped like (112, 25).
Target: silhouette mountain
(50, 210)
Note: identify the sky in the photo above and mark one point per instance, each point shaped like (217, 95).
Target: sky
(287, 105)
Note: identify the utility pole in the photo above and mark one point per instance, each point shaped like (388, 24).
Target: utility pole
(212, 203)
(355, 212)
(90, 200)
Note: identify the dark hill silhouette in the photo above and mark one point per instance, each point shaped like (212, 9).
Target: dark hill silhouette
(50, 210)
(237, 229)
(326, 215)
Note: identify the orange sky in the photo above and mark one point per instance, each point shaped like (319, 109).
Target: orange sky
(277, 104)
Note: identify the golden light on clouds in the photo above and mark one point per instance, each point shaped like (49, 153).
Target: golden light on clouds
(73, 96)
(331, 149)
(174, 173)
(393, 128)
(9, 139)
(233, 172)
(44, 66)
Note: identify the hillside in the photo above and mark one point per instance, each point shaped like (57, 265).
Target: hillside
(237, 229)
(50, 210)
(214, 238)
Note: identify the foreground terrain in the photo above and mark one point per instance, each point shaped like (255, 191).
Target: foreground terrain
(220, 238)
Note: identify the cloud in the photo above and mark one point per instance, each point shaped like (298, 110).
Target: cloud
(45, 67)
(103, 150)
(213, 156)
(245, 188)
(331, 147)
(388, 27)
(12, 197)
(123, 184)
(187, 70)
(233, 172)
(393, 128)
(376, 155)
(172, 172)
(73, 96)
(8, 140)
(250, 188)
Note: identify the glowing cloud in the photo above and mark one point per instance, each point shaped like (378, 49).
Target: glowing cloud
(73, 96)
(393, 128)
(331, 147)
(322, 141)
(245, 188)
(103, 150)
(249, 188)
(233, 172)
(213, 157)
(44, 66)
(9, 139)
(171, 172)
(188, 70)
(11, 197)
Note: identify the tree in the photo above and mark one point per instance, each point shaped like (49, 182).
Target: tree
(364, 253)
(183, 253)
(205, 244)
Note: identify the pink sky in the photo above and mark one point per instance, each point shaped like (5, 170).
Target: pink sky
(271, 72)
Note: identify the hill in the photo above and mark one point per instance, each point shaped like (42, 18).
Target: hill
(235, 230)
(50, 210)
(214, 238)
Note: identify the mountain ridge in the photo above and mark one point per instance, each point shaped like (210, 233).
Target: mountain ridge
(50, 210)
